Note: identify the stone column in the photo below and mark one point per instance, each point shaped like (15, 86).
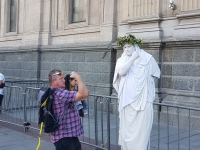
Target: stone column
(109, 27)
(2, 13)
(37, 22)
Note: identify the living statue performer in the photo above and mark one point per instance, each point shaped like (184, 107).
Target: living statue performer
(134, 77)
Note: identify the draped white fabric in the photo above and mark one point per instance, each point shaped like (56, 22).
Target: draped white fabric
(135, 128)
(131, 87)
(136, 92)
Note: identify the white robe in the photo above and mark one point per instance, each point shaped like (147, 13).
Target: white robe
(136, 92)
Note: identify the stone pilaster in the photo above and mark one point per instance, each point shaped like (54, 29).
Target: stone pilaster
(37, 22)
(109, 27)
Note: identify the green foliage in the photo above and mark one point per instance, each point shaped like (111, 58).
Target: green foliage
(129, 39)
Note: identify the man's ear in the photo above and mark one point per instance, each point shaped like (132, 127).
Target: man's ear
(53, 82)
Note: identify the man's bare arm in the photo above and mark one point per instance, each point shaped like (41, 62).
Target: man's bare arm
(82, 92)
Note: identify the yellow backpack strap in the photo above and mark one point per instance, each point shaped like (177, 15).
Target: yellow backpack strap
(44, 103)
(39, 135)
(41, 125)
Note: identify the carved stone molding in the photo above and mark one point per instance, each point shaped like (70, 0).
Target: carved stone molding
(146, 28)
(189, 25)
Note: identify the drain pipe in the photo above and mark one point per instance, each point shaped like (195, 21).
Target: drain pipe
(38, 62)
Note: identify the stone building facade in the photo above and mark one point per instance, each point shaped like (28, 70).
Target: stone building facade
(39, 35)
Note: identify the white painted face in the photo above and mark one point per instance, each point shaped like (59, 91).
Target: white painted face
(129, 49)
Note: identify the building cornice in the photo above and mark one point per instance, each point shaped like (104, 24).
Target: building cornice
(100, 46)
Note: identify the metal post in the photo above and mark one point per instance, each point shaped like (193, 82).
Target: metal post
(167, 128)
(25, 114)
(108, 122)
(178, 130)
(101, 103)
(96, 121)
(189, 130)
(158, 106)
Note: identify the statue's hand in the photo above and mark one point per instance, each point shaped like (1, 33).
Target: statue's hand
(135, 55)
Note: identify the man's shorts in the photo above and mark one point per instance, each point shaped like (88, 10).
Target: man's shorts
(68, 143)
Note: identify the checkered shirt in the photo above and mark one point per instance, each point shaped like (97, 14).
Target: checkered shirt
(70, 125)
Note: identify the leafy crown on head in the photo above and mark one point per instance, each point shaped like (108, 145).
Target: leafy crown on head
(129, 39)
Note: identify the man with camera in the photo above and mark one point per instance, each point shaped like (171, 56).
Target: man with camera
(70, 127)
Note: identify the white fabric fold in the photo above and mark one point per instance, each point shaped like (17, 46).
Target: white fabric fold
(133, 87)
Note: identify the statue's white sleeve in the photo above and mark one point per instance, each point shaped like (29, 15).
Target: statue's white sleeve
(155, 70)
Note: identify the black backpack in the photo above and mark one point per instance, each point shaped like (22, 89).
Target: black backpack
(46, 115)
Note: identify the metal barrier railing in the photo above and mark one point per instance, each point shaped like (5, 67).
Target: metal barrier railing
(28, 83)
(178, 126)
(13, 105)
(174, 126)
(32, 107)
(94, 89)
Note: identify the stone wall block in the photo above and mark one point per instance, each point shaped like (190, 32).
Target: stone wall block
(66, 66)
(183, 70)
(93, 77)
(28, 74)
(24, 74)
(45, 66)
(167, 55)
(94, 57)
(2, 57)
(106, 67)
(7, 72)
(106, 56)
(32, 73)
(197, 56)
(9, 65)
(58, 56)
(167, 82)
(12, 57)
(196, 71)
(182, 84)
(18, 72)
(166, 69)
(15, 65)
(101, 67)
(197, 85)
(28, 65)
(57, 65)
(96, 67)
(105, 78)
(65, 57)
(30, 57)
(85, 67)
(2, 64)
(183, 56)
(20, 65)
(78, 57)
(55, 57)
(44, 74)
